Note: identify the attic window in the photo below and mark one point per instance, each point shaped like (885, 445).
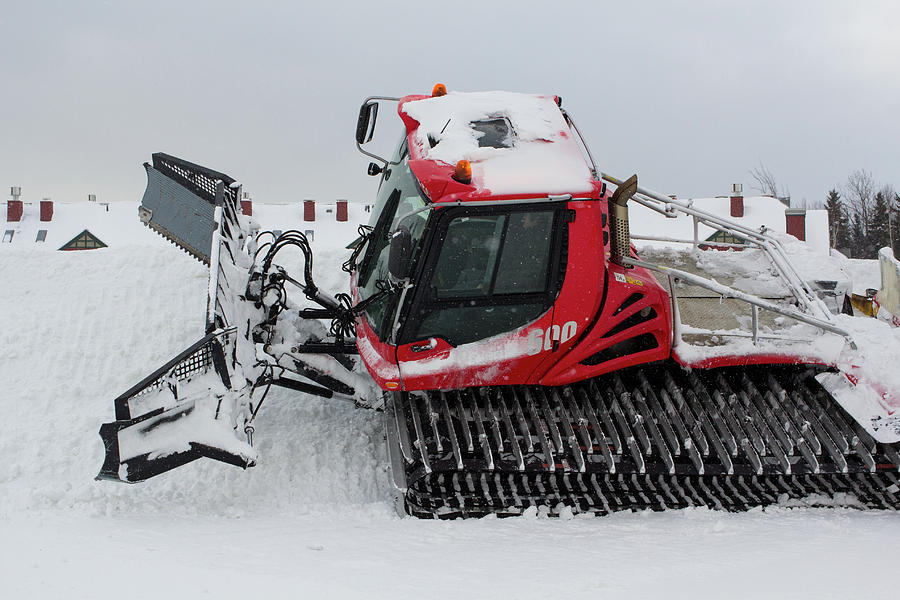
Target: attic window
(495, 133)
(8, 236)
(41, 235)
(84, 241)
(725, 238)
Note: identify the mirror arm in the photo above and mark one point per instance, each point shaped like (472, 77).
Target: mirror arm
(385, 162)
(359, 147)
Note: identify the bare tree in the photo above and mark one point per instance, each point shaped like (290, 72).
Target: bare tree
(767, 185)
(765, 181)
(860, 194)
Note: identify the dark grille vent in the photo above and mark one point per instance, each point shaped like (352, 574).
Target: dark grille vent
(628, 302)
(640, 343)
(637, 318)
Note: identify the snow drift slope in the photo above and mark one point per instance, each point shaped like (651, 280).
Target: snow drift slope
(80, 328)
(314, 518)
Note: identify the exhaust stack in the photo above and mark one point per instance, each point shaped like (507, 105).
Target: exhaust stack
(618, 220)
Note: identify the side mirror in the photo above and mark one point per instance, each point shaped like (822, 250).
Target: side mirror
(400, 253)
(374, 169)
(365, 125)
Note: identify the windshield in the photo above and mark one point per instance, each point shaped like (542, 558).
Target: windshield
(400, 198)
(493, 273)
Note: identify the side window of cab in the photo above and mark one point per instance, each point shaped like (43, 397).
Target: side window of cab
(384, 186)
(489, 272)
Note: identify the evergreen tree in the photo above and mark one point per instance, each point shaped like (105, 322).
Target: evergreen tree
(879, 229)
(838, 222)
(895, 225)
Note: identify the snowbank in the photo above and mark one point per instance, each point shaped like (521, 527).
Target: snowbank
(79, 328)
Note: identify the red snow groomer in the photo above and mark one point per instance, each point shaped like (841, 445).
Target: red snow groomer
(522, 352)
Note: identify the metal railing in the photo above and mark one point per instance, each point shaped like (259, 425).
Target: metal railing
(725, 291)
(812, 310)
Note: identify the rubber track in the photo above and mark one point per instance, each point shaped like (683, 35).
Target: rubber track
(651, 437)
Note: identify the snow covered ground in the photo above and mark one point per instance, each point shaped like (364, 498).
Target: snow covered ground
(314, 518)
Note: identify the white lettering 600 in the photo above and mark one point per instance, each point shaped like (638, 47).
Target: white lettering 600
(542, 339)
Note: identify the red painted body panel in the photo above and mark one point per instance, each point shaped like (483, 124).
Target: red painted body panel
(380, 358)
(582, 290)
(598, 337)
(435, 179)
(500, 360)
(743, 360)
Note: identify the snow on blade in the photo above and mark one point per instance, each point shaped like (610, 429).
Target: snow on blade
(208, 419)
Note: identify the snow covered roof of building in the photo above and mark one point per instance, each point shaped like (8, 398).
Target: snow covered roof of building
(516, 143)
(117, 224)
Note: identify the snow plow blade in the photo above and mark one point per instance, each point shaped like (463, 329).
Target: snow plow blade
(147, 465)
(183, 411)
(197, 404)
(180, 201)
(200, 403)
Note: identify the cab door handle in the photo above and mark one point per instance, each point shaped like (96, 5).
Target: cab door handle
(431, 344)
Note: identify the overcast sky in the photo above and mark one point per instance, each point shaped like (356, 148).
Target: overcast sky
(689, 95)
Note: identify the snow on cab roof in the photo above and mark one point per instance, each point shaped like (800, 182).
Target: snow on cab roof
(517, 143)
